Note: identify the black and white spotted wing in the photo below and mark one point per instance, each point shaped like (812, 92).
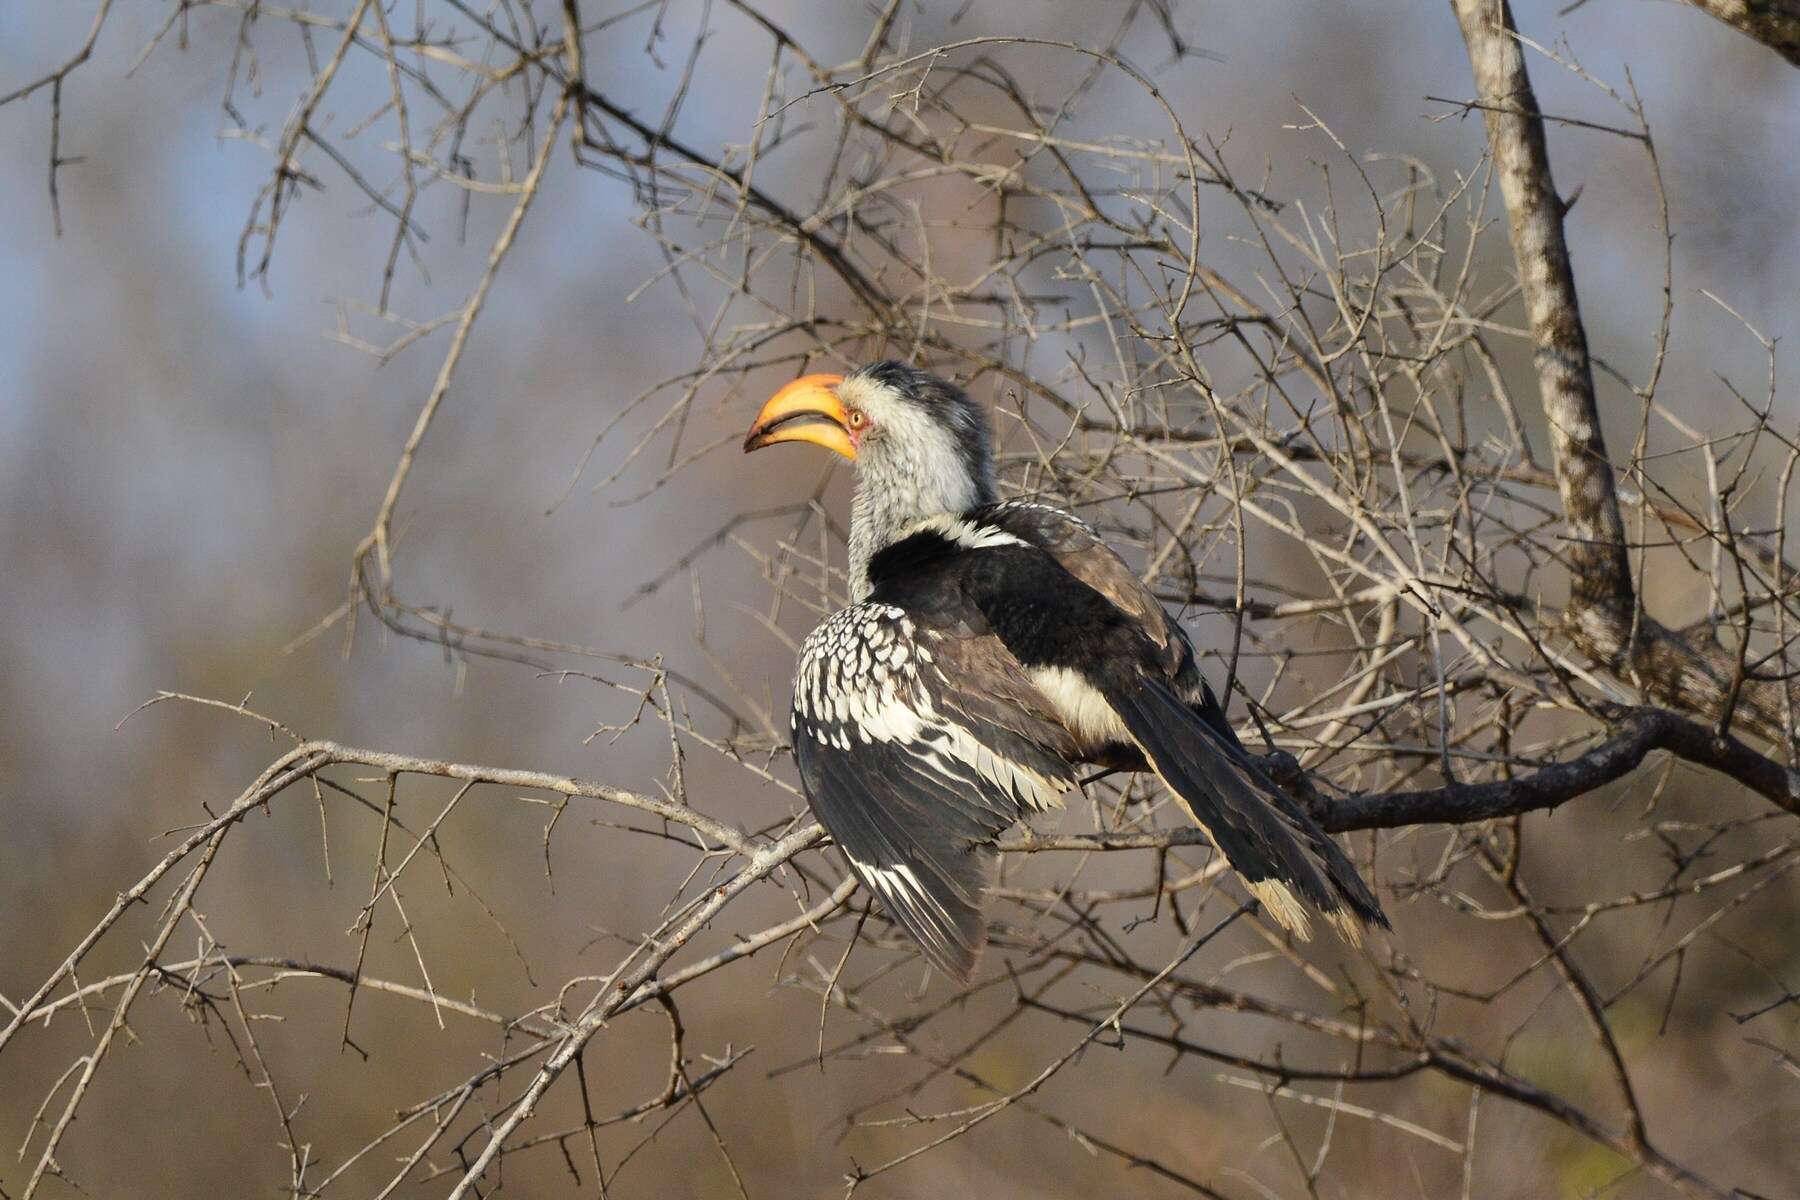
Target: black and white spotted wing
(917, 744)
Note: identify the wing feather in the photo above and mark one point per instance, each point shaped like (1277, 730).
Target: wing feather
(1076, 544)
(917, 744)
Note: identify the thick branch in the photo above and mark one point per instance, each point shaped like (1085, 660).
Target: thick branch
(1774, 23)
(1602, 619)
(1643, 730)
(1601, 603)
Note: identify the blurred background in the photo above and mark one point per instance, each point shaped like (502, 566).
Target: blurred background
(187, 465)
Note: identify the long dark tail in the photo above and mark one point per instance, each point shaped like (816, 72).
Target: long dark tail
(1282, 854)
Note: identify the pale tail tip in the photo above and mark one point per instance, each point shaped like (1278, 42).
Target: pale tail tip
(1292, 916)
(1348, 925)
(1280, 903)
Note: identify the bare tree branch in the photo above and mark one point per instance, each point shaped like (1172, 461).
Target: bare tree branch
(1602, 606)
(1604, 616)
(1774, 23)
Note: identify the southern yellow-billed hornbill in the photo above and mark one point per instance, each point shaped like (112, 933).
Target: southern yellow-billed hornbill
(988, 648)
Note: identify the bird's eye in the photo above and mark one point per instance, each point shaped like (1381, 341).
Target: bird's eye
(858, 418)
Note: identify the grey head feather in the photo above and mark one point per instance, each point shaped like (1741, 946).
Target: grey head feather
(951, 407)
(928, 453)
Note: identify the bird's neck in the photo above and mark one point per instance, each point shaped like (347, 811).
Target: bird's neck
(891, 498)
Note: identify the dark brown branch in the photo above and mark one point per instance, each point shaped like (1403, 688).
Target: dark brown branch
(1642, 731)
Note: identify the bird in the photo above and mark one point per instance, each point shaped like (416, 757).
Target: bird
(991, 648)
